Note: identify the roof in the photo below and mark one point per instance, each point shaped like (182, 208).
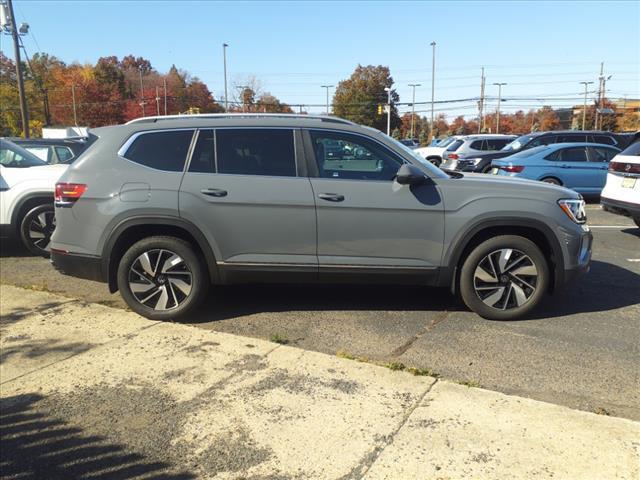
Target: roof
(221, 117)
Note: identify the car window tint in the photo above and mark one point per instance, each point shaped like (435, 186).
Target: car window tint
(256, 151)
(602, 154)
(577, 154)
(43, 153)
(352, 157)
(12, 156)
(604, 139)
(202, 159)
(543, 140)
(633, 149)
(497, 143)
(455, 145)
(572, 138)
(477, 145)
(161, 150)
(64, 154)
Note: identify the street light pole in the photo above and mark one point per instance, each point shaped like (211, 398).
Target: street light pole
(584, 108)
(413, 104)
(24, 112)
(498, 109)
(388, 90)
(73, 99)
(141, 92)
(224, 59)
(433, 87)
(327, 87)
(164, 84)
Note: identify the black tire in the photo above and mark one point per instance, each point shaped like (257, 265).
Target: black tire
(36, 229)
(637, 221)
(487, 169)
(551, 180)
(471, 288)
(437, 161)
(162, 281)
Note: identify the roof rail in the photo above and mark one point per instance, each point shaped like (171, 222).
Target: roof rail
(324, 118)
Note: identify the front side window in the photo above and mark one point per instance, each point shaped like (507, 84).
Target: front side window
(543, 140)
(572, 138)
(352, 157)
(12, 156)
(166, 150)
(576, 154)
(256, 151)
(496, 143)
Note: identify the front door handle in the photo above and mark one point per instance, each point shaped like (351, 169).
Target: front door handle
(331, 197)
(214, 192)
(564, 166)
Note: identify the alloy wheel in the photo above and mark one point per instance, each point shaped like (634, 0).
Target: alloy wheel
(505, 279)
(40, 230)
(160, 279)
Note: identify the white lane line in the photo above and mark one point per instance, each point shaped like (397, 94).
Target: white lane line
(633, 259)
(610, 226)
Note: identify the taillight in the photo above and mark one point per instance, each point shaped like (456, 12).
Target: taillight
(623, 167)
(68, 193)
(453, 156)
(512, 168)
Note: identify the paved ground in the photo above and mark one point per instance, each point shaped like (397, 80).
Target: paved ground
(581, 350)
(92, 392)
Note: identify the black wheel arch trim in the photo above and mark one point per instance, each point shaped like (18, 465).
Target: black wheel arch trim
(15, 221)
(453, 256)
(124, 225)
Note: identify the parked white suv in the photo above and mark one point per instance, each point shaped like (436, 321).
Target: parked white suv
(471, 145)
(621, 193)
(27, 186)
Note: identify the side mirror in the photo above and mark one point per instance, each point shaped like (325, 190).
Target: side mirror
(410, 175)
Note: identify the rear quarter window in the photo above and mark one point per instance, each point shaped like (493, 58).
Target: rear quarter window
(455, 145)
(633, 149)
(166, 150)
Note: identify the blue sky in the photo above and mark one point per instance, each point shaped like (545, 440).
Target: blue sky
(541, 49)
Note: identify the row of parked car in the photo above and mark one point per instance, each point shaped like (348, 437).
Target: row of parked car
(162, 207)
(576, 159)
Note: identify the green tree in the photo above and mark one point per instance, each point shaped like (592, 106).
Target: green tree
(358, 97)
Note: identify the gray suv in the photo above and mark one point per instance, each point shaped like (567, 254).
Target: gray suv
(163, 207)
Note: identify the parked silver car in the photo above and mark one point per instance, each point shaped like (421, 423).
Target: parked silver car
(162, 207)
(469, 145)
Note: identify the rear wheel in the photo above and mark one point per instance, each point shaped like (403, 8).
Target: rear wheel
(637, 221)
(551, 180)
(437, 161)
(36, 229)
(504, 278)
(162, 278)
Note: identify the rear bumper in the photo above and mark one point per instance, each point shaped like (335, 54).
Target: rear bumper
(621, 208)
(82, 266)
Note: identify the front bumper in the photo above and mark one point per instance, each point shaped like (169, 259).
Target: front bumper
(581, 260)
(621, 208)
(88, 267)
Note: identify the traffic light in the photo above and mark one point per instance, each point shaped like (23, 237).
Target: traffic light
(379, 109)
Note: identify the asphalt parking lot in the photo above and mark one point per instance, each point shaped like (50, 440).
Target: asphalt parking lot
(581, 349)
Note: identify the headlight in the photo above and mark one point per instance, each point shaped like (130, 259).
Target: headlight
(574, 208)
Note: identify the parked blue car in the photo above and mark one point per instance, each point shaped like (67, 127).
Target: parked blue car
(579, 166)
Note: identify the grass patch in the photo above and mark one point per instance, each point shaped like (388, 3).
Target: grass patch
(395, 366)
(470, 383)
(280, 339)
(344, 354)
(601, 411)
(422, 372)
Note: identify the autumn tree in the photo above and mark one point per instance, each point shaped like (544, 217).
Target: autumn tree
(358, 97)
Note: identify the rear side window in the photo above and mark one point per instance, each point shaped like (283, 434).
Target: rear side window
(633, 149)
(572, 138)
(497, 143)
(604, 139)
(577, 154)
(477, 145)
(602, 154)
(256, 151)
(165, 150)
(64, 154)
(203, 157)
(455, 145)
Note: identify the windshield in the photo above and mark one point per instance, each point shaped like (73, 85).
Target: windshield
(517, 144)
(529, 152)
(417, 157)
(13, 156)
(445, 142)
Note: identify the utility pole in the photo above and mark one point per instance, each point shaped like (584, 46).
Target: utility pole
(164, 83)
(327, 87)
(433, 85)
(481, 103)
(498, 109)
(595, 122)
(157, 102)
(388, 90)
(224, 60)
(73, 98)
(413, 105)
(584, 108)
(142, 103)
(24, 112)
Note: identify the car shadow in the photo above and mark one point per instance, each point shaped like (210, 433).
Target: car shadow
(228, 302)
(632, 231)
(606, 287)
(13, 248)
(36, 444)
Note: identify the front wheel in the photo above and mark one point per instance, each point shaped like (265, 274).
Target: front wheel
(162, 278)
(36, 229)
(551, 180)
(504, 278)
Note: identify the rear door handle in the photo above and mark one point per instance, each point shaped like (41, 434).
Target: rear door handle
(214, 192)
(564, 166)
(331, 197)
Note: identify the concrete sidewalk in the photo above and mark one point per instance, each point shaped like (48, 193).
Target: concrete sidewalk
(89, 391)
